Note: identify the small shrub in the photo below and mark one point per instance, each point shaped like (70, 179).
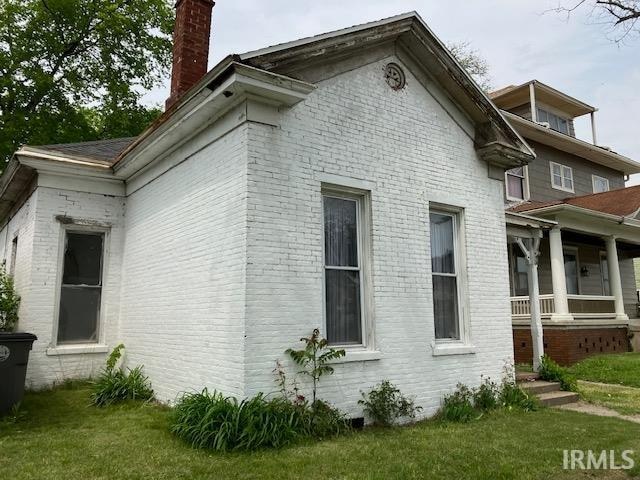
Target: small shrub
(513, 397)
(323, 420)
(486, 396)
(458, 406)
(115, 385)
(9, 302)
(552, 372)
(385, 404)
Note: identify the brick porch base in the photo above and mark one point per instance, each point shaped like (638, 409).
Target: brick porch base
(570, 345)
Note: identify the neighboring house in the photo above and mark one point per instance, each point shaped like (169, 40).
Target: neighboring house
(587, 283)
(351, 181)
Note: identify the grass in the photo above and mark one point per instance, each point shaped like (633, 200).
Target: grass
(619, 368)
(625, 400)
(59, 435)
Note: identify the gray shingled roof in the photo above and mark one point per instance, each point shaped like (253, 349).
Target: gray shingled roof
(103, 151)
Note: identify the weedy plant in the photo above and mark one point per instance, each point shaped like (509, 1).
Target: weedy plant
(385, 404)
(552, 372)
(314, 358)
(115, 385)
(9, 302)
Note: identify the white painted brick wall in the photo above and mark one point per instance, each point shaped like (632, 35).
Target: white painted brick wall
(355, 126)
(183, 291)
(38, 260)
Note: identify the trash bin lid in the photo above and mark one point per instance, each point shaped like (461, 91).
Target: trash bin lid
(17, 337)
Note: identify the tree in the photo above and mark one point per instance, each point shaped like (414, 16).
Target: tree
(472, 62)
(622, 16)
(74, 70)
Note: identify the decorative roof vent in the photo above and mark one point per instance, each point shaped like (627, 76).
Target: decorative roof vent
(394, 76)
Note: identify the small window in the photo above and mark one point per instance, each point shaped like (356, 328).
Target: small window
(555, 122)
(343, 268)
(561, 177)
(519, 272)
(445, 269)
(14, 256)
(81, 289)
(516, 183)
(600, 184)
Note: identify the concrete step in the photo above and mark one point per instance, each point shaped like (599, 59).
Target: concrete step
(553, 399)
(526, 377)
(538, 387)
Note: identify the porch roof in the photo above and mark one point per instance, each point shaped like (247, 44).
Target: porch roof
(622, 202)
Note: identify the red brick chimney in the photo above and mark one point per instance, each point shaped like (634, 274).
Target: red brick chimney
(190, 46)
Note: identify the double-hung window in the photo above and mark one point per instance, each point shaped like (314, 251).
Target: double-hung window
(561, 177)
(516, 181)
(81, 287)
(344, 267)
(446, 268)
(600, 184)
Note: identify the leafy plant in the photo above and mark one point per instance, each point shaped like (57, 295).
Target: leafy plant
(9, 302)
(117, 385)
(458, 406)
(314, 358)
(222, 423)
(513, 397)
(486, 396)
(552, 372)
(385, 404)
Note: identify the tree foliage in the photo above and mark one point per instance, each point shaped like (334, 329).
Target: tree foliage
(622, 17)
(472, 62)
(74, 70)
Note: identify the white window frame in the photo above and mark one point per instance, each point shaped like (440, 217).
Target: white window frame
(525, 186)
(603, 256)
(594, 178)
(460, 266)
(363, 216)
(562, 187)
(58, 348)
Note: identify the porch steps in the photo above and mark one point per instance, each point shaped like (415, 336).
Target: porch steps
(549, 393)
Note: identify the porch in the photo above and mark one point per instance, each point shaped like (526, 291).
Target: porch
(580, 307)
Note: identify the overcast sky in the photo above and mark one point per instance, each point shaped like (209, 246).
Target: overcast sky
(520, 40)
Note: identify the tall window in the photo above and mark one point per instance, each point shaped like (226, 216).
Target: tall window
(81, 289)
(555, 122)
(561, 177)
(572, 271)
(14, 256)
(604, 269)
(343, 269)
(445, 268)
(516, 181)
(600, 184)
(519, 272)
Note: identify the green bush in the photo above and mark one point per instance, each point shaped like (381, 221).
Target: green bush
(9, 302)
(513, 397)
(385, 404)
(458, 406)
(115, 385)
(486, 396)
(222, 423)
(552, 372)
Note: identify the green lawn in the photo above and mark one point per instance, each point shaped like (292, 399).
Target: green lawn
(621, 369)
(60, 436)
(625, 400)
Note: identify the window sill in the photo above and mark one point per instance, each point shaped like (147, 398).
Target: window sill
(76, 349)
(440, 350)
(358, 356)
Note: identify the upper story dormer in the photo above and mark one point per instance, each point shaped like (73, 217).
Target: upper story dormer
(565, 165)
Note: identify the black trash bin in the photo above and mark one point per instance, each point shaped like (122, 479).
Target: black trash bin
(14, 355)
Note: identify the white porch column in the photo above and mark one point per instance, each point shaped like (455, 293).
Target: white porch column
(615, 283)
(531, 252)
(558, 278)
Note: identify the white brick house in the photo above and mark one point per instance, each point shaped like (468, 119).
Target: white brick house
(291, 188)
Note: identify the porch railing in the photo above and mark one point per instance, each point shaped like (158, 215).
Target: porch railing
(580, 306)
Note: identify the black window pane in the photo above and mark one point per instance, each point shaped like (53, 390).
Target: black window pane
(445, 307)
(83, 259)
(340, 232)
(442, 253)
(79, 309)
(343, 307)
